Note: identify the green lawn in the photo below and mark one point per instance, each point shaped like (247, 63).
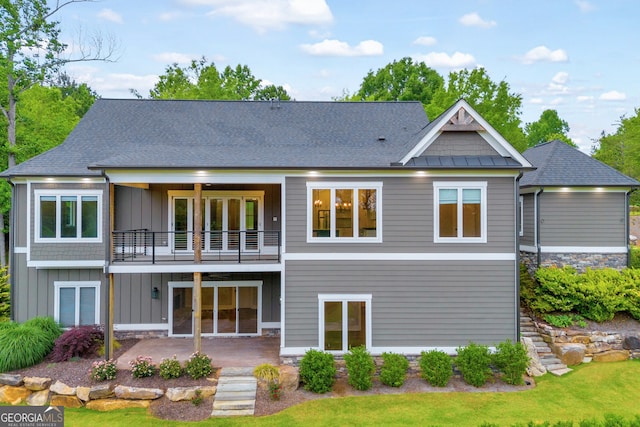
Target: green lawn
(587, 393)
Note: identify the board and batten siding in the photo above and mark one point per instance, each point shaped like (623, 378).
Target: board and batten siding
(582, 219)
(35, 291)
(70, 251)
(528, 221)
(407, 217)
(19, 215)
(414, 304)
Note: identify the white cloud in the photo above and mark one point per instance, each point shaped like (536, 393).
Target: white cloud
(339, 48)
(442, 59)
(174, 57)
(536, 101)
(560, 78)
(474, 20)
(264, 15)
(584, 6)
(425, 41)
(556, 101)
(613, 95)
(584, 98)
(169, 16)
(543, 53)
(110, 15)
(557, 89)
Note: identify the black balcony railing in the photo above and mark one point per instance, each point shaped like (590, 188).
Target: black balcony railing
(144, 246)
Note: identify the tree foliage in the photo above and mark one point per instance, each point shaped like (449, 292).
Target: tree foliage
(202, 80)
(547, 128)
(402, 80)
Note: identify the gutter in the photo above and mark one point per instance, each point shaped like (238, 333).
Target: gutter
(538, 246)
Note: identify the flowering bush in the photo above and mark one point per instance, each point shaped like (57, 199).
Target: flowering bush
(142, 367)
(170, 368)
(198, 365)
(275, 390)
(103, 370)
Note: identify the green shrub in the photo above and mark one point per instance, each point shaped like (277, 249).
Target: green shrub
(170, 368)
(79, 341)
(512, 360)
(634, 256)
(436, 367)
(565, 320)
(142, 367)
(474, 362)
(394, 369)
(361, 367)
(48, 325)
(198, 366)
(103, 370)
(5, 295)
(317, 371)
(22, 346)
(8, 325)
(555, 290)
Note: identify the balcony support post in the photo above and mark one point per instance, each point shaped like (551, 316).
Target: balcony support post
(197, 276)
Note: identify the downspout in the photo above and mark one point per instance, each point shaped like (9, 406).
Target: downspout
(627, 198)
(108, 333)
(538, 246)
(517, 252)
(12, 285)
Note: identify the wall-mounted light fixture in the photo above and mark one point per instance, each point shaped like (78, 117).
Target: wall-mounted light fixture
(155, 293)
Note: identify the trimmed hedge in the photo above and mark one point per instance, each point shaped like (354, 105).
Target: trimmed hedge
(595, 294)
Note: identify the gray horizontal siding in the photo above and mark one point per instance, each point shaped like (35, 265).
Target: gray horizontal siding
(407, 218)
(459, 144)
(57, 251)
(413, 303)
(582, 219)
(528, 221)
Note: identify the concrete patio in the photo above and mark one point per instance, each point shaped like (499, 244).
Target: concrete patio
(224, 352)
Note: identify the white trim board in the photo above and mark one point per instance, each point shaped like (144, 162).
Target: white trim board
(71, 264)
(575, 249)
(367, 256)
(202, 268)
(376, 351)
(141, 327)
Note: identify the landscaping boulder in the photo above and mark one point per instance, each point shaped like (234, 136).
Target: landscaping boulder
(66, 401)
(113, 404)
(177, 394)
(37, 383)
(101, 391)
(83, 393)
(10, 379)
(63, 389)
(535, 368)
(611, 356)
(137, 393)
(631, 343)
(38, 398)
(13, 395)
(289, 378)
(570, 354)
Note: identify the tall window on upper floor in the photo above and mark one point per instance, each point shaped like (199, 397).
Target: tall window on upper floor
(460, 212)
(68, 216)
(344, 212)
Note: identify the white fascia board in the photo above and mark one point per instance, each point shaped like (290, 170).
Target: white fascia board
(493, 138)
(141, 327)
(195, 268)
(71, 264)
(160, 176)
(59, 180)
(584, 249)
(436, 256)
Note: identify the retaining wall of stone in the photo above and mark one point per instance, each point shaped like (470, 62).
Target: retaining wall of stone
(579, 261)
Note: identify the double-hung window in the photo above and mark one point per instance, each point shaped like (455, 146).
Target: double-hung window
(77, 303)
(344, 211)
(460, 212)
(65, 216)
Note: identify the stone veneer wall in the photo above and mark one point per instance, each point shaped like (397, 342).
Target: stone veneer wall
(579, 261)
(162, 333)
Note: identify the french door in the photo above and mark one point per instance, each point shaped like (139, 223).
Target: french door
(231, 221)
(228, 308)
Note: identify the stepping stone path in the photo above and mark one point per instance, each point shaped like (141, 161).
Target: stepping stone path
(547, 357)
(236, 394)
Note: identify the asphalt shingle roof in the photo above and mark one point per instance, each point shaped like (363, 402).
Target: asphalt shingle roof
(559, 164)
(233, 134)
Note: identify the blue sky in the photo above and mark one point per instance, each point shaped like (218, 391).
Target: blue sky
(579, 57)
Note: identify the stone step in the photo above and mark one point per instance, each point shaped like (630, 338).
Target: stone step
(246, 387)
(555, 367)
(235, 405)
(234, 380)
(237, 372)
(234, 413)
(561, 371)
(235, 395)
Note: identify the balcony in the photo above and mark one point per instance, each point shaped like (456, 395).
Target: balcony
(143, 246)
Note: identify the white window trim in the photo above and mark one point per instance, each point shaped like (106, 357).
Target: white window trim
(343, 298)
(59, 194)
(77, 285)
(521, 213)
(344, 185)
(460, 185)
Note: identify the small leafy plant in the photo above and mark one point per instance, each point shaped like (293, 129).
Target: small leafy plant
(170, 368)
(474, 362)
(317, 371)
(275, 390)
(394, 369)
(198, 366)
(361, 368)
(80, 341)
(512, 360)
(436, 367)
(103, 370)
(197, 399)
(142, 367)
(565, 320)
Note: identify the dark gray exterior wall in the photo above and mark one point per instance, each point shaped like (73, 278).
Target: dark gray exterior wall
(34, 293)
(460, 144)
(582, 219)
(407, 218)
(414, 304)
(72, 251)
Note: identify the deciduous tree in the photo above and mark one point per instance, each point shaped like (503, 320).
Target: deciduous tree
(547, 128)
